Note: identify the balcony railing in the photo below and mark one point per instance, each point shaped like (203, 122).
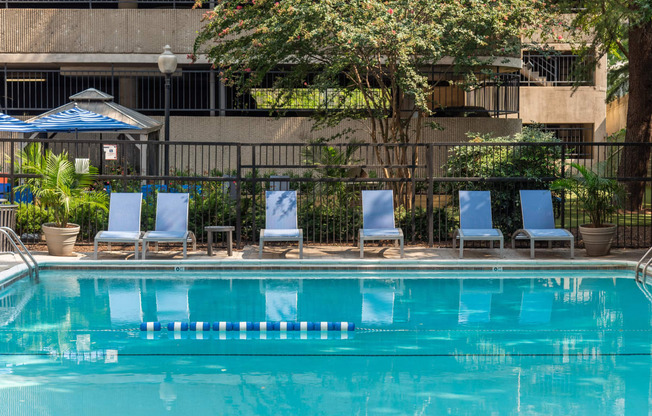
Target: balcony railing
(551, 70)
(199, 92)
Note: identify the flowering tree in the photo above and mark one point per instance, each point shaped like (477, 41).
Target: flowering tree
(375, 54)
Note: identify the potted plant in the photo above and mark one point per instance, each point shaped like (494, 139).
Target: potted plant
(60, 189)
(599, 197)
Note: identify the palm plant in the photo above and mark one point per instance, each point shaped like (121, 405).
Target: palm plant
(599, 196)
(56, 185)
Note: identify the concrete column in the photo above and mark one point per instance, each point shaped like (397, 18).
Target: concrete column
(127, 4)
(128, 87)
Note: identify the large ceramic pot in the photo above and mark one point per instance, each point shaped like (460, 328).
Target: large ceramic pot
(60, 241)
(597, 241)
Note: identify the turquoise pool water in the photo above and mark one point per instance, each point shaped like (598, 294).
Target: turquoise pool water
(546, 343)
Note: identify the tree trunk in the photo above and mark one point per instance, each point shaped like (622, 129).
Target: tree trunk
(635, 159)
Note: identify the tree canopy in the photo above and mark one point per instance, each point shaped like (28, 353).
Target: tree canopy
(625, 27)
(377, 52)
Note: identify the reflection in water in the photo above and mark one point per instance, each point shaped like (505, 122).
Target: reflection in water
(536, 308)
(281, 301)
(172, 302)
(166, 391)
(378, 301)
(124, 303)
(475, 299)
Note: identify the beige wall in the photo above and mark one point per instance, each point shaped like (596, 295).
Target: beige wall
(617, 115)
(297, 130)
(58, 32)
(553, 105)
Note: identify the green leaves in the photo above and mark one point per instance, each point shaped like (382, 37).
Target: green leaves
(599, 196)
(377, 51)
(57, 187)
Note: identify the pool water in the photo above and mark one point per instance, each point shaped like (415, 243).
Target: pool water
(545, 343)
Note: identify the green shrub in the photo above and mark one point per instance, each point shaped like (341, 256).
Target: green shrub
(29, 218)
(537, 164)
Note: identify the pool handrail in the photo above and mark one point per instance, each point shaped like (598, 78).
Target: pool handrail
(12, 237)
(640, 262)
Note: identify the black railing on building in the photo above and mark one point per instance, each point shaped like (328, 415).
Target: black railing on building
(572, 133)
(551, 70)
(198, 91)
(103, 4)
(226, 182)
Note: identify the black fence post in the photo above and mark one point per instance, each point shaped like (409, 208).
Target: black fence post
(253, 194)
(563, 194)
(238, 200)
(12, 167)
(429, 201)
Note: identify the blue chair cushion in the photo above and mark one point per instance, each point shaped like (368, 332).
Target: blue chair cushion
(555, 232)
(380, 232)
(119, 235)
(477, 232)
(166, 234)
(281, 232)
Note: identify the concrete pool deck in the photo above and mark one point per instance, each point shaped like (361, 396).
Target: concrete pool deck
(335, 254)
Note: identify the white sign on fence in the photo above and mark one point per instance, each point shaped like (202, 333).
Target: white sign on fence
(110, 152)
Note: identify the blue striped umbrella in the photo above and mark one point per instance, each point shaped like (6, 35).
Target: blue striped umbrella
(8, 123)
(77, 119)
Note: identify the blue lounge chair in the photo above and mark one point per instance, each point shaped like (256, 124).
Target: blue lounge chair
(281, 220)
(124, 221)
(539, 221)
(171, 222)
(475, 220)
(378, 219)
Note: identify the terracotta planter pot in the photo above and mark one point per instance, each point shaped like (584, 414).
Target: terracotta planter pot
(597, 241)
(60, 241)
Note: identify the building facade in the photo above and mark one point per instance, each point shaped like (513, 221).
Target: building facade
(50, 50)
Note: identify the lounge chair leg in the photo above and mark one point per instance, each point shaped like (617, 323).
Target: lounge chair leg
(491, 244)
(136, 252)
(260, 250)
(502, 249)
(185, 249)
(361, 248)
(531, 249)
(300, 249)
(461, 248)
(572, 247)
(550, 244)
(95, 251)
(402, 243)
(144, 256)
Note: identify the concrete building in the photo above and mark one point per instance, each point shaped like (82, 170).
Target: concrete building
(50, 50)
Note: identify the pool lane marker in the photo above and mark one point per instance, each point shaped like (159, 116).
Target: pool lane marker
(245, 326)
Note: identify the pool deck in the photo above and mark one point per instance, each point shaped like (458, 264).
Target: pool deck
(337, 254)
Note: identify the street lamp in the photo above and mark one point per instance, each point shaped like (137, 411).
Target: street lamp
(167, 64)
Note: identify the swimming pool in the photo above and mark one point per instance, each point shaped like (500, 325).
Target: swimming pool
(464, 343)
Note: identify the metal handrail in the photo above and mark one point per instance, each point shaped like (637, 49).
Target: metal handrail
(640, 262)
(12, 237)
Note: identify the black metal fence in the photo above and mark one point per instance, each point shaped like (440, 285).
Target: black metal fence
(227, 181)
(197, 91)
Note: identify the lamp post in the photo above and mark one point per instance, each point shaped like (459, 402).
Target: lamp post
(167, 64)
